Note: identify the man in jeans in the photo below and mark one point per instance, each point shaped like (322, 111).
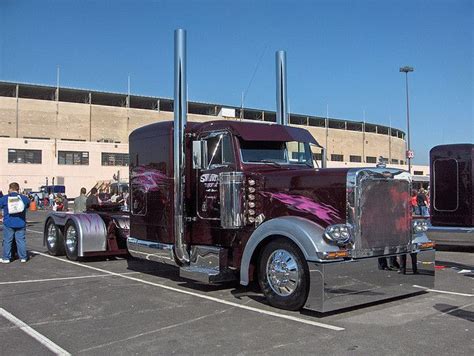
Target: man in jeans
(14, 207)
(80, 202)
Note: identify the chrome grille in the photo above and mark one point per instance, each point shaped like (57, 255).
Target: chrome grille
(380, 213)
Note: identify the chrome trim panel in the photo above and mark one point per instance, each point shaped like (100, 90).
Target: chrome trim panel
(231, 190)
(281, 97)
(180, 118)
(346, 284)
(419, 238)
(208, 264)
(455, 236)
(353, 211)
(151, 251)
(307, 235)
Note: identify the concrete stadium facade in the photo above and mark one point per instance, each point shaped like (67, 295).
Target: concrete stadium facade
(61, 121)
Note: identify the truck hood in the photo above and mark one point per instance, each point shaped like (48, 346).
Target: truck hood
(316, 194)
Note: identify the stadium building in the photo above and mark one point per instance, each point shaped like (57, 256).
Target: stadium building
(77, 137)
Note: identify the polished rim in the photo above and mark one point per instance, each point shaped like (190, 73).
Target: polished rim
(51, 235)
(71, 239)
(282, 272)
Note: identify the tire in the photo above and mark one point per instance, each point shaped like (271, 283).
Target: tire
(283, 275)
(71, 240)
(54, 238)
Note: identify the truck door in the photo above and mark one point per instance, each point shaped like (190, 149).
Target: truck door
(220, 159)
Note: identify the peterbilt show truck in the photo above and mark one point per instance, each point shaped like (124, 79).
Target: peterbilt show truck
(452, 194)
(237, 200)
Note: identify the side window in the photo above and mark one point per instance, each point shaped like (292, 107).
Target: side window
(219, 150)
(296, 152)
(445, 190)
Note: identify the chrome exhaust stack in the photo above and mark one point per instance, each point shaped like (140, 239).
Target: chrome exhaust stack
(180, 118)
(282, 106)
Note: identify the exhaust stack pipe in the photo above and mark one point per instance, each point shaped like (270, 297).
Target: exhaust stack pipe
(180, 118)
(282, 106)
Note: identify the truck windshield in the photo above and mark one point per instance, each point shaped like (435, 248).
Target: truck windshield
(276, 152)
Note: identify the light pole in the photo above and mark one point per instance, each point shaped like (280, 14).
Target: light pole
(407, 70)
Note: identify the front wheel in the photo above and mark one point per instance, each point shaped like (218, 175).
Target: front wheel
(54, 239)
(284, 275)
(71, 241)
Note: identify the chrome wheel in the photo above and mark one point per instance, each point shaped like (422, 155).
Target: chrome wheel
(51, 235)
(282, 272)
(71, 239)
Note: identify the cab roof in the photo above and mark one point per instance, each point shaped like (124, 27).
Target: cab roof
(247, 130)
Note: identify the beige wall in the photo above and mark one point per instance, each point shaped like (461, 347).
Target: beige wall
(32, 176)
(350, 143)
(7, 116)
(51, 119)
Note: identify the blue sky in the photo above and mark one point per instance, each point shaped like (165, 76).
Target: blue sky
(340, 54)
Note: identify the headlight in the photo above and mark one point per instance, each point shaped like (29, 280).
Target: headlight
(419, 226)
(340, 234)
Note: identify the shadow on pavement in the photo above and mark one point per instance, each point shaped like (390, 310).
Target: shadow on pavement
(455, 311)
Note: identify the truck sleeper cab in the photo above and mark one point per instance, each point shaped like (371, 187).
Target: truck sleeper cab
(452, 194)
(255, 208)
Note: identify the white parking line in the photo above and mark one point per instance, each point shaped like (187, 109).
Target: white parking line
(33, 231)
(33, 333)
(62, 278)
(221, 301)
(444, 291)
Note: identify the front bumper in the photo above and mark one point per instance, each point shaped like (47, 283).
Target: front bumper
(452, 236)
(338, 285)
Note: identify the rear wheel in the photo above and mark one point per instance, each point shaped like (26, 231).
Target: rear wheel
(284, 275)
(71, 241)
(54, 239)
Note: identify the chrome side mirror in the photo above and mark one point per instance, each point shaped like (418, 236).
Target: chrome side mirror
(199, 154)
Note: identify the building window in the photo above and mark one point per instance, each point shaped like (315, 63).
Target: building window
(114, 159)
(394, 161)
(370, 159)
(355, 159)
(318, 156)
(402, 162)
(75, 158)
(337, 158)
(418, 173)
(24, 156)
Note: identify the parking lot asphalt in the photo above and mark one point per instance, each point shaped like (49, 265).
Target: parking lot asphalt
(119, 306)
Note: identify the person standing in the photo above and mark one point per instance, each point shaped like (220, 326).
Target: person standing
(80, 202)
(414, 202)
(51, 199)
(14, 207)
(93, 199)
(422, 202)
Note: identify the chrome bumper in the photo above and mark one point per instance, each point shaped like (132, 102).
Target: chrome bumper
(338, 285)
(454, 236)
